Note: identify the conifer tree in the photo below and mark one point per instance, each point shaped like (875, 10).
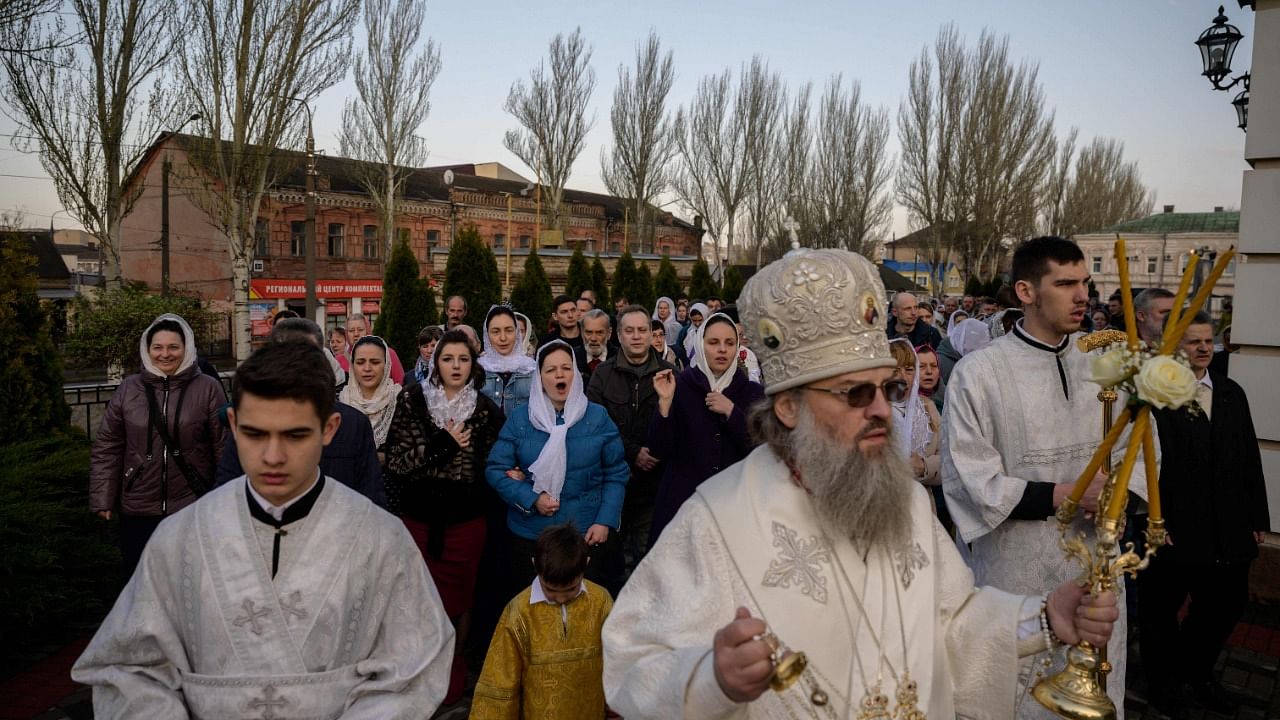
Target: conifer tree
(733, 283)
(666, 283)
(624, 277)
(408, 304)
(701, 286)
(642, 289)
(600, 284)
(579, 275)
(30, 364)
(532, 295)
(472, 272)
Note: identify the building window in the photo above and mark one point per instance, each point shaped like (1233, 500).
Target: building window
(499, 240)
(433, 238)
(262, 238)
(1097, 263)
(525, 240)
(370, 242)
(1151, 265)
(335, 239)
(298, 238)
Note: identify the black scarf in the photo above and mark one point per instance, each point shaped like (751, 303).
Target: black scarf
(292, 514)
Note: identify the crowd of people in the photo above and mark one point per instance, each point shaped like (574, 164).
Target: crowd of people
(818, 467)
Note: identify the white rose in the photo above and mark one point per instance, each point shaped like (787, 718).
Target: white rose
(1165, 383)
(1109, 368)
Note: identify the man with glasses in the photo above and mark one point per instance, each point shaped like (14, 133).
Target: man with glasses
(1021, 425)
(822, 542)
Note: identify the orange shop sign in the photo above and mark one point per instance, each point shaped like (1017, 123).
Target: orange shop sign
(272, 289)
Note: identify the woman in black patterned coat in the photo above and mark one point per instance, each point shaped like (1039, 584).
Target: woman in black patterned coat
(436, 450)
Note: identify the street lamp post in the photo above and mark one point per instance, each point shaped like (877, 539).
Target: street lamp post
(507, 284)
(166, 167)
(309, 244)
(1217, 48)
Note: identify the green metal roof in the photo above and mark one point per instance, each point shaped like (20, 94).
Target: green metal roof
(1161, 223)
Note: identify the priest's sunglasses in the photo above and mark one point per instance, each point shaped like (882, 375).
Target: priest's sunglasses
(863, 394)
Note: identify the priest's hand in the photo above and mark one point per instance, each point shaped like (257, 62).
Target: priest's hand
(1075, 615)
(742, 662)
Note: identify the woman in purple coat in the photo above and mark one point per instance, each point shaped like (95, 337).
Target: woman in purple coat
(700, 427)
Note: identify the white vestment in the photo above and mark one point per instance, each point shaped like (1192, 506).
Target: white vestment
(1007, 423)
(351, 626)
(750, 537)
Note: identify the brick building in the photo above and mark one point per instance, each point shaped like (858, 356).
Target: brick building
(348, 247)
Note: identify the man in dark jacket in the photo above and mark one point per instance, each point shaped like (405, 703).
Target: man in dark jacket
(623, 384)
(1215, 506)
(903, 322)
(351, 457)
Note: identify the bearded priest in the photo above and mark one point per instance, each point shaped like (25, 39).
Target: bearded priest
(821, 542)
(282, 594)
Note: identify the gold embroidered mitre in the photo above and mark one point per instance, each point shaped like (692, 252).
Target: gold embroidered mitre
(815, 314)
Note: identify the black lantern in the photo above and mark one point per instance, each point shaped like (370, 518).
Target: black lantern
(1217, 46)
(1241, 103)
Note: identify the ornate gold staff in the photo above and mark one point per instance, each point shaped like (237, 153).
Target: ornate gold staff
(1079, 690)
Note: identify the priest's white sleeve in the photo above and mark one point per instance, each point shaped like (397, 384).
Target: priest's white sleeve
(407, 672)
(979, 492)
(136, 659)
(658, 639)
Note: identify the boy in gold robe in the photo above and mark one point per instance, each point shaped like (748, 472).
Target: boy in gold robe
(546, 659)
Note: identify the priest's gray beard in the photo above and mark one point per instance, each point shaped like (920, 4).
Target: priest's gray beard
(861, 496)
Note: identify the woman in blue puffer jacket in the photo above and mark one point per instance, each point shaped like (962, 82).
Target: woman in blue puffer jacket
(559, 459)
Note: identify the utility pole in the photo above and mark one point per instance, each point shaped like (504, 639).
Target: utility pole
(507, 284)
(166, 167)
(309, 244)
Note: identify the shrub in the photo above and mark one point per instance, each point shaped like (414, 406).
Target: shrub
(600, 284)
(106, 329)
(624, 277)
(532, 295)
(579, 275)
(666, 283)
(733, 284)
(701, 286)
(31, 402)
(642, 288)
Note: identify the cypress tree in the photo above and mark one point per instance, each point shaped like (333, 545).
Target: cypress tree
(701, 286)
(666, 283)
(624, 277)
(733, 283)
(30, 364)
(472, 272)
(532, 295)
(579, 275)
(600, 284)
(408, 304)
(642, 289)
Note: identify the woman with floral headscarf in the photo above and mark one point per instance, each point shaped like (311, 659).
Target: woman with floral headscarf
(508, 372)
(371, 389)
(436, 452)
(701, 424)
(558, 459)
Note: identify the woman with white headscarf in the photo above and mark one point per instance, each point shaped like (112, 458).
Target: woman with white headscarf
(508, 372)
(559, 459)
(700, 427)
(688, 342)
(948, 355)
(371, 389)
(969, 336)
(530, 339)
(664, 311)
(916, 421)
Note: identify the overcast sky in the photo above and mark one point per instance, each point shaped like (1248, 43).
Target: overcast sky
(1125, 69)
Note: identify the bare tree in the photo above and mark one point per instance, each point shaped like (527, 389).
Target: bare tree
(13, 219)
(929, 130)
(792, 157)
(1104, 191)
(762, 103)
(639, 166)
(849, 198)
(245, 68)
(552, 112)
(80, 106)
(394, 86)
(710, 146)
(23, 14)
(1006, 150)
(1054, 202)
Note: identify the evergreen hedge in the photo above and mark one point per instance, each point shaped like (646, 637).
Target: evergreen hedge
(624, 277)
(701, 286)
(666, 283)
(579, 275)
(472, 272)
(642, 290)
(108, 327)
(31, 403)
(532, 295)
(600, 284)
(733, 284)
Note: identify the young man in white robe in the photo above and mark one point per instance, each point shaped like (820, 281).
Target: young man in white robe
(282, 594)
(1022, 420)
(821, 541)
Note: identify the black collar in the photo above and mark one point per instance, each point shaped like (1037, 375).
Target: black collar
(1025, 337)
(293, 513)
